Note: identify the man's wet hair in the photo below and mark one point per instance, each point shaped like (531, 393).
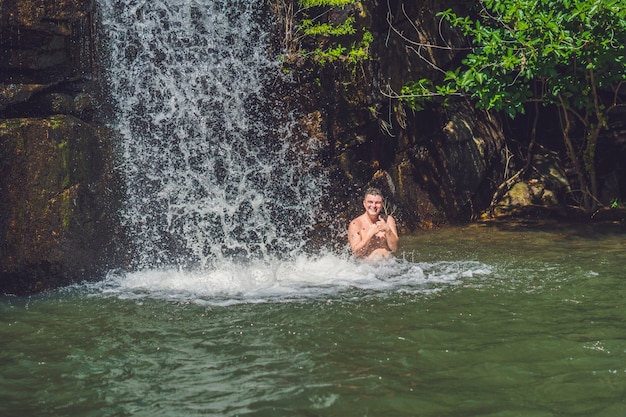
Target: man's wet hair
(373, 191)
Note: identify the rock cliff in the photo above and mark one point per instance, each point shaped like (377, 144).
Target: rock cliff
(58, 198)
(437, 166)
(59, 195)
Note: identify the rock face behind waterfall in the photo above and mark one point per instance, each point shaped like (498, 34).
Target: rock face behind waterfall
(56, 198)
(444, 163)
(59, 198)
(438, 165)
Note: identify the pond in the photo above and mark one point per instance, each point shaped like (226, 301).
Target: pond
(466, 321)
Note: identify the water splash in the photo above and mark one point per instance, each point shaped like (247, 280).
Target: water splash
(325, 276)
(206, 157)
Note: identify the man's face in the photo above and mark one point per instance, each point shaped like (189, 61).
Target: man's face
(373, 204)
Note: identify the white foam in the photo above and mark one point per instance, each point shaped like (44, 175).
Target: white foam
(210, 173)
(301, 278)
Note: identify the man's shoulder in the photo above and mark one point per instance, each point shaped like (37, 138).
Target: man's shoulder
(357, 221)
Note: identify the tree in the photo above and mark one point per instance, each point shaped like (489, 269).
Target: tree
(566, 53)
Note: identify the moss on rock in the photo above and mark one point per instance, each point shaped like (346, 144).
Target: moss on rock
(55, 207)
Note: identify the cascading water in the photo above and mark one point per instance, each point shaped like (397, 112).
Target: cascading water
(206, 156)
(218, 202)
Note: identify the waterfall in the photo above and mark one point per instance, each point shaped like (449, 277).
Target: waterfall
(206, 150)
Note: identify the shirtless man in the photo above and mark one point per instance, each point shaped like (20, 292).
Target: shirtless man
(370, 235)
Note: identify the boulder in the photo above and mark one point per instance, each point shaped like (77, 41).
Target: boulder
(57, 202)
(58, 194)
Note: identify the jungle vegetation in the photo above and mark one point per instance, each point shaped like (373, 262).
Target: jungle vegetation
(323, 31)
(520, 54)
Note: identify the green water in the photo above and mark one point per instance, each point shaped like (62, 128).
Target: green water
(500, 323)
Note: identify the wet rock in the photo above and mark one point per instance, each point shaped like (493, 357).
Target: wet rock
(57, 204)
(545, 188)
(58, 196)
(11, 94)
(437, 166)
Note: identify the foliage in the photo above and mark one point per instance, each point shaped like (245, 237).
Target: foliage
(309, 23)
(566, 53)
(310, 28)
(331, 3)
(614, 203)
(558, 42)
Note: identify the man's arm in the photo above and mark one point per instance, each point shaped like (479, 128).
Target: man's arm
(357, 242)
(392, 234)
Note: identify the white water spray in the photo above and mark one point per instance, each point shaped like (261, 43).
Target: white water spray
(218, 202)
(207, 162)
